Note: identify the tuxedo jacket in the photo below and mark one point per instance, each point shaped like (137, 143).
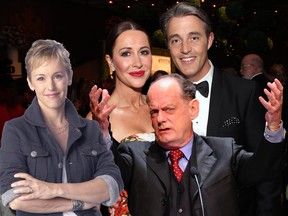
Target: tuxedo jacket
(222, 166)
(235, 110)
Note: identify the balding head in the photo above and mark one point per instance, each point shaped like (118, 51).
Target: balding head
(251, 65)
(187, 89)
(173, 106)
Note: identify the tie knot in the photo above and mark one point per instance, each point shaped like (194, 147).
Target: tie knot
(175, 155)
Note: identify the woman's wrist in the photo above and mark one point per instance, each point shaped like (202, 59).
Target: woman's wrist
(77, 205)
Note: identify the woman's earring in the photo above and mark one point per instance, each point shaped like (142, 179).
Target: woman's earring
(111, 74)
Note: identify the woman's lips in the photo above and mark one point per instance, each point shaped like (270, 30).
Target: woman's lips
(137, 73)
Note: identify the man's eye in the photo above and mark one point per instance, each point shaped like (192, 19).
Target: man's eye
(169, 109)
(195, 38)
(153, 112)
(175, 41)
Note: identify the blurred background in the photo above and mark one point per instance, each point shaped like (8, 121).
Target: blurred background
(240, 26)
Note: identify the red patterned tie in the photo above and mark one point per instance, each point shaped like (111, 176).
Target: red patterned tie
(175, 156)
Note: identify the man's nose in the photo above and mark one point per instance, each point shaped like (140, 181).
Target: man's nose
(185, 47)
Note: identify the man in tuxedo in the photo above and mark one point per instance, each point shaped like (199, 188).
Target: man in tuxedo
(159, 184)
(229, 105)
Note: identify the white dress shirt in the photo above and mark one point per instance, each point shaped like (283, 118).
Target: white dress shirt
(201, 121)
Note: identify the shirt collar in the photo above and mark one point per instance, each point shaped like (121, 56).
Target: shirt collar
(187, 149)
(256, 75)
(208, 77)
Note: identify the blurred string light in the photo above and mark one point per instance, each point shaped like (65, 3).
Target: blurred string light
(129, 5)
(154, 3)
(213, 4)
(212, 7)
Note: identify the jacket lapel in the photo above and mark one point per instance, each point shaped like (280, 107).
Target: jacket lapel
(157, 161)
(215, 102)
(203, 160)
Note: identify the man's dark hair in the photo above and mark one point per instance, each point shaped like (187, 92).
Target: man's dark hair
(183, 9)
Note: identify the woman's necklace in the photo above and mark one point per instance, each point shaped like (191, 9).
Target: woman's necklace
(59, 130)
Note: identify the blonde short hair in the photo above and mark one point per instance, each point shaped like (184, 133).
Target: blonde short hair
(44, 50)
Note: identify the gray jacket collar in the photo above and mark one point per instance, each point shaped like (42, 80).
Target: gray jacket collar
(33, 114)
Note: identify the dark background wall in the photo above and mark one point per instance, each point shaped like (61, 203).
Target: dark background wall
(77, 26)
(82, 28)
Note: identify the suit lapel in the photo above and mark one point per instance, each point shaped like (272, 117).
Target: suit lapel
(157, 161)
(203, 160)
(215, 103)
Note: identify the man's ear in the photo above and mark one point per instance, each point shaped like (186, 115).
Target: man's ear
(193, 108)
(210, 40)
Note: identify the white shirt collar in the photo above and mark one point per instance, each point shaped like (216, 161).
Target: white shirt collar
(208, 77)
(201, 121)
(256, 75)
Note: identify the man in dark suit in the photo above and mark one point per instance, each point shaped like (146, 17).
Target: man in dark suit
(229, 106)
(252, 67)
(219, 165)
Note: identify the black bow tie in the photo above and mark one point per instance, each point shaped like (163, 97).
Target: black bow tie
(203, 88)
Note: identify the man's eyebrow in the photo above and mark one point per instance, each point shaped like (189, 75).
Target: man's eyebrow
(173, 35)
(194, 33)
(190, 33)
